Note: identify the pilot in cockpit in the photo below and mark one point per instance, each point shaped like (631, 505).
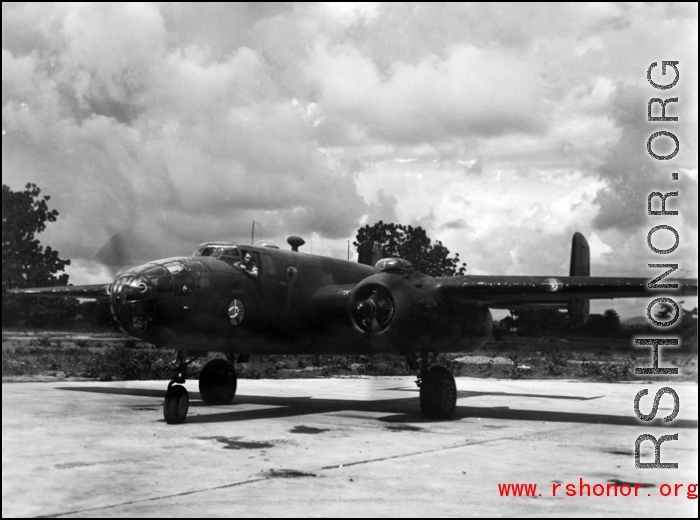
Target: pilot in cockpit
(248, 266)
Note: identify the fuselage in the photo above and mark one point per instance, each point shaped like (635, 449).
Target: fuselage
(298, 303)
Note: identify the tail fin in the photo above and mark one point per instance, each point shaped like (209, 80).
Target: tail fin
(369, 253)
(580, 266)
(580, 256)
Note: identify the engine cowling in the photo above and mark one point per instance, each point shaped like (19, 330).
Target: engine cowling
(392, 311)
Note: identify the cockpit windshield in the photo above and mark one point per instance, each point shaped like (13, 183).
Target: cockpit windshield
(228, 253)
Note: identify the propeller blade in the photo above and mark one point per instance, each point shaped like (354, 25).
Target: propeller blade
(115, 254)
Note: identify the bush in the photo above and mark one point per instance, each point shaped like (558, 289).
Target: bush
(607, 371)
(555, 361)
(116, 362)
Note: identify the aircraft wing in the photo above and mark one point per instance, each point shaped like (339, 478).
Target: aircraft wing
(511, 292)
(95, 292)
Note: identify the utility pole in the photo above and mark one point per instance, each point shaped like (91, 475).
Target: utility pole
(348, 250)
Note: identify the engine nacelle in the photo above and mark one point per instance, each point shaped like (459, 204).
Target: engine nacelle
(392, 312)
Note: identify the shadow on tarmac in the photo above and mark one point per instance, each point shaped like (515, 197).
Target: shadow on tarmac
(468, 393)
(404, 409)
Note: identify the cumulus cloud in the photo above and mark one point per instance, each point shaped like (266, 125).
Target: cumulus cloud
(166, 142)
(632, 174)
(470, 92)
(501, 129)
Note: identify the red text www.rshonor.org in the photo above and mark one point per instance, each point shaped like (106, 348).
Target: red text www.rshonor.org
(609, 489)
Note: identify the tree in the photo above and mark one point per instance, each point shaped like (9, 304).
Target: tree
(611, 323)
(412, 244)
(606, 325)
(25, 262)
(540, 322)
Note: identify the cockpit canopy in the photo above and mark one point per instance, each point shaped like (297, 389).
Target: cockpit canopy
(225, 251)
(177, 275)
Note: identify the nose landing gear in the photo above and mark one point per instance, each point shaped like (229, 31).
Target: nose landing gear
(177, 399)
(217, 386)
(177, 402)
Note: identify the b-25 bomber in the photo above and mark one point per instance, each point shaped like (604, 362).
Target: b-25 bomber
(240, 300)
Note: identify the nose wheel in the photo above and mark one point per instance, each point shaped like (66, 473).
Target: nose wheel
(438, 391)
(177, 402)
(177, 399)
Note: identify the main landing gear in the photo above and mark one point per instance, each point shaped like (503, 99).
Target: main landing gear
(218, 382)
(438, 392)
(217, 385)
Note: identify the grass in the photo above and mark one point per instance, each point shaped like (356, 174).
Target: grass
(514, 358)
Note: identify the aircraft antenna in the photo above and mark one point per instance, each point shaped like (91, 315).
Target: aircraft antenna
(252, 231)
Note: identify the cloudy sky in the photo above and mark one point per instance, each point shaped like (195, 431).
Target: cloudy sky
(499, 128)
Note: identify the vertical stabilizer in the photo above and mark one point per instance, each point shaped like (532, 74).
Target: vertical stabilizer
(580, 256)
(369, 253)
(580, 266)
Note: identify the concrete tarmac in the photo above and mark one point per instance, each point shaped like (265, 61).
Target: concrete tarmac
(344, 447)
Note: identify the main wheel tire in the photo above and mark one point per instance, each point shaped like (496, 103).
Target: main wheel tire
(177, 402)
(218, 382)
(438, 394)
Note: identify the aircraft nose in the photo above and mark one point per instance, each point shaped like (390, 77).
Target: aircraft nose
(131, 289)
(132, 301)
